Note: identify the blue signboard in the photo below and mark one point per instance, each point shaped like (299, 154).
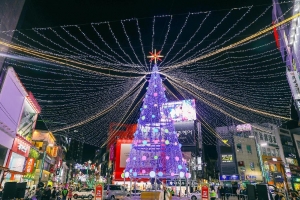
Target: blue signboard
(229, 177)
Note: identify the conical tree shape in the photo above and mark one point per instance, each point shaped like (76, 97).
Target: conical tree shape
(155, 148)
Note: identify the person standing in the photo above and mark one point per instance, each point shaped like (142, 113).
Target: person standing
(70, 195)
(53, 194)
(219, 192)
(222, 192)
(213, 195)
(47, 193)
(164, 194)
(238, 192)
(39, 193)
(64, 194)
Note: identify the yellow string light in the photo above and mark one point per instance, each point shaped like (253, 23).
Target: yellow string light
(259, 33)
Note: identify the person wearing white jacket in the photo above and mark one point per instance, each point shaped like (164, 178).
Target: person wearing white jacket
(164, 194)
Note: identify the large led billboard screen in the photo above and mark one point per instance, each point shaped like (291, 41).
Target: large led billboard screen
(179, 111)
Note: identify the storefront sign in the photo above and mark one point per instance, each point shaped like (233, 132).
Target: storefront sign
(54, 151)
(204, 192)
(112, 152)
(226, 158)
(176, 183)
(229, 177)
(21, 147)
(251, 177)
(29, 165)
(98, 192)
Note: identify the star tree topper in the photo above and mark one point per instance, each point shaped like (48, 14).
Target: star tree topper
(155, 56)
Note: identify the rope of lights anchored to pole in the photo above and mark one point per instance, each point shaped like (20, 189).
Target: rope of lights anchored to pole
(259, 33)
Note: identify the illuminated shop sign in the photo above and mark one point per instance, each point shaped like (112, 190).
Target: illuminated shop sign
(29, 165)
(229, 177)
(21, 147)
(226, 158)
(243, 127)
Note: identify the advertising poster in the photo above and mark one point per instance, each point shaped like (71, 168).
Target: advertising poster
(179, 111)
(27, 121)
(124, 154)
(186, 133)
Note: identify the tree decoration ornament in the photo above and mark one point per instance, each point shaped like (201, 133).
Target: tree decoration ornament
(162, 158)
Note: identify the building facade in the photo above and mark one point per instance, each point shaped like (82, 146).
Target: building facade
(257, 152)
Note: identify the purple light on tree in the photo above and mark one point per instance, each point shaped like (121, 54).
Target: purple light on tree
(155, 149)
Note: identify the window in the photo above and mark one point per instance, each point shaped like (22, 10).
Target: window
(274, 139)
(273, 152)
(270, 138)
(252, 167)
(255, 133)
(261, 136)
(264, 152)
(266, 137)
(277, 152)
(239, 147)
(268, 152)
(249, 150)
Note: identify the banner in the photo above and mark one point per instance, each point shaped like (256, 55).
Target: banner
(98, 192)
(291, 76)
(29, 165)
(204, 192)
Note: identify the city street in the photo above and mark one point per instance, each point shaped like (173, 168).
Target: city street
(102, 100)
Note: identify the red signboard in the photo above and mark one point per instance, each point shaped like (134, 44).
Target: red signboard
(21, 147)
(112, 152)
(204, 192)
(98, 192)
(29, 165)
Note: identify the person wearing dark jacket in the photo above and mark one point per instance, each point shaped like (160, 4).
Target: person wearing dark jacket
(53, 194)
(47, 193)
(222, 192)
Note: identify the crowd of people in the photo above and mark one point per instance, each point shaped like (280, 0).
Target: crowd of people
(48, 193)
(224, 193)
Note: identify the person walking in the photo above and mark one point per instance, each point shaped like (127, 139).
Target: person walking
(64, 194)
(70, 194)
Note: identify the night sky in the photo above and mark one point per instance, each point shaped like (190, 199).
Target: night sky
(43, 14)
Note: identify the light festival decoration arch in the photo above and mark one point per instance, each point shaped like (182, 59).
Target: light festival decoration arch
(86, 76)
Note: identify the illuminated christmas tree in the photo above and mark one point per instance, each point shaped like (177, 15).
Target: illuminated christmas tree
(155, 151)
